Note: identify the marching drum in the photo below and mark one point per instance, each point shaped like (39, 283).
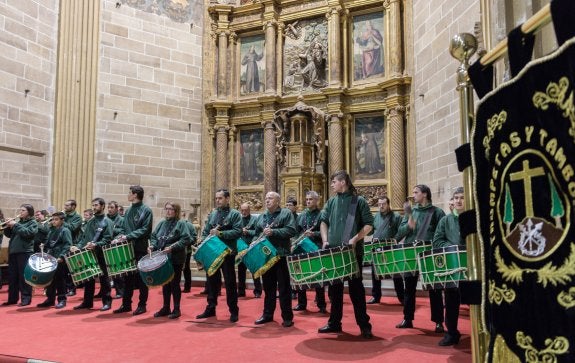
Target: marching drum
(443, 268)
(398, 260)
(260, 257)
(304, 246)
(375, 244)
(323, 267)
(210, 254)
(40, 269)
(242, 248)
(83, 266)
(156, 270)
(120, 258)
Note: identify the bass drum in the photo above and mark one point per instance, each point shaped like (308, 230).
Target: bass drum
(40, 269)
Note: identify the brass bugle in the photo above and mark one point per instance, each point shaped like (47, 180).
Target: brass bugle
(299, 239)
(3, 224)
(51, 217)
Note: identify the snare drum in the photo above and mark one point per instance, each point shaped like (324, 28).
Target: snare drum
(398, 260)
(156, 270)
(304, 246)
(443, 268)
(40, 269)
(211, 253)
(83, 265)
(260, 257)
(323, 267)
(375, 244)
(120, 258)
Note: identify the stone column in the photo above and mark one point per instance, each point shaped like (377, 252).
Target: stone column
(397, 156)
(222, 63)
(270, 160)
(336, 147)
(279, 58)
(334, 44)
(232, 42)
(395, 46)
(221, 157)
(271, 72)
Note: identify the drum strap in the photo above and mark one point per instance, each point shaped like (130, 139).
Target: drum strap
(423, 228)
(350, 219)
(99, 230)
(164, 238)
(53, 242)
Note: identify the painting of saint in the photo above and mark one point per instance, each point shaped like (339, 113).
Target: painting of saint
(369, 147)
(252, 54)
(368, 46)
(251, 156)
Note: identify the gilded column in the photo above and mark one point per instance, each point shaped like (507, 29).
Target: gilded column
(393, 12)
(270, 161)
(222, 63)
(279, 57)
(221, 157)
(334, 44)
(397, 156)
(76, 92)
(271, 75)
(336, 146)
(232, 41)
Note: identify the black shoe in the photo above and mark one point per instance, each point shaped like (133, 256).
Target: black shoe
(71, 293)
(61, 304)
(287, 323)
(175, 314)
(299, 307)
(206, 314)
(139, 310)
(45, 304)
(439, 328)
(186, 290)
(322, 311)
(257, 295)
(404, 324)
(105, 307)
(233, 318)
(162, 312)
(449, 339)
(263, 319)
(241, 293)
(330, 329)
(372, 301)
(82, 306)
(123, 309)
(366, 333)
(6, 303)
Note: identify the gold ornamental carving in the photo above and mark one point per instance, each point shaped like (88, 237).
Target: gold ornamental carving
(372, 193)
(254, 199)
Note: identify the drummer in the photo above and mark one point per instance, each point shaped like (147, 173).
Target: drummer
(447, 234)
(97, 234)
(172, 235)
(226, 224)
(72, 221)
(340, 227)
(308, 225)
(278, 225)
(420, 223)
(248, 233)
(57, 244)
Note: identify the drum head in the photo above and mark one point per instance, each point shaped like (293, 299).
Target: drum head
(148, 263)
(42, 262)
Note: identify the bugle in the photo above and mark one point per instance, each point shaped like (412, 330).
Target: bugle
(299, 239)
(3, 224)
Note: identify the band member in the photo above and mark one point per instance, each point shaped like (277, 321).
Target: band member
(137, 226)
(97, 234)
(187, 270)
(43, 228)
(248, 233)
(172, 235)
(1, 238)
(385, 224)
(278, 225)
(57, 244)
(21, 247)
(338, 224)
(117, 221)
(419, 223)
(308, 225)
(72, 221)
(225, 223)
(447, 234)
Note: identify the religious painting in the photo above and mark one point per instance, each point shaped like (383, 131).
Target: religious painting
(369, 145)
(252, 63)
(251, 156)
(305, 55)
(368, 46)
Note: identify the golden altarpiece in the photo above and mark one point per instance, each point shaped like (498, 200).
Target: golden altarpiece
(295, 90)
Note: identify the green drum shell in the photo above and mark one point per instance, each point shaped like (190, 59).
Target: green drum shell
(443, 268)
(306, 245)
(83, 266)
(241, 245)
(323, 267)
(120, 258)
(374, 245)
(398, 260)
(211, 253)
(40, 270)
(260, 257)
(156, 270)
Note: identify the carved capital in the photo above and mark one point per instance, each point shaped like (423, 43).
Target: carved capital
(387, 4)
(233, 37)
(269, 24)
(337, 10)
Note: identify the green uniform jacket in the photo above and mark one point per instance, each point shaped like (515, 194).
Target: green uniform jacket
(309, 219)
(175, 234)
(230, 226)
(283, 226)
(334, 214)
(193, 232)
(98, 221)
(388, 222)
(419, 214)
(137, 226)
(117, 221)
(73, 221)
(250, 222)
(58, 242)
(447, 232)
(22, 236)
(40, 237)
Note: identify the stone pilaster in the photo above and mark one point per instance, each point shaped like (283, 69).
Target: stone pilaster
(334, 42)
(222, 64)
(271, 74)
(270, 161)
(396, 162)
(393, 11)
(336, 143)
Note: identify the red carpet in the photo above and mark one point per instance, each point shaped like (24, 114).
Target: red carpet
(89, 335)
